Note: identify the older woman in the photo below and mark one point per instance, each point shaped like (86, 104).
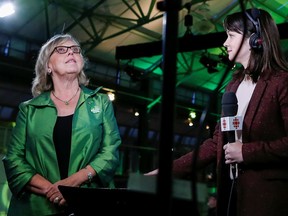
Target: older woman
(66, 135)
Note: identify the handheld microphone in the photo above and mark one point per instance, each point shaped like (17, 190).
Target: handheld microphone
(230, 123)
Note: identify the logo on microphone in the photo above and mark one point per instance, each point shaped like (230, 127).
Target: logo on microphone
(231, 123)
(236, 123)
(223, 124)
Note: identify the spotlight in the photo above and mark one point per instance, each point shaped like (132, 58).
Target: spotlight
(136, 112)
(6, 9)
(135, 73)
(192, 114)
(190, 122)
(209, 63)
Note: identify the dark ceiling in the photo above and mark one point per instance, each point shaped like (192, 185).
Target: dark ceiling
(123, 42)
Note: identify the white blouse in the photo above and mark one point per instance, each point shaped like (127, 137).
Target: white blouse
(244, 94)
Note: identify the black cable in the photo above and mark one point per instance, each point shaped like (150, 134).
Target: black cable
(230, 197)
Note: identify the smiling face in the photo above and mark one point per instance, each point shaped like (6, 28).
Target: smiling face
(70, 63)
(233, 43)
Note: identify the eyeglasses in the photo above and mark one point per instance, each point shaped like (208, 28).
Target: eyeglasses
(64, 49)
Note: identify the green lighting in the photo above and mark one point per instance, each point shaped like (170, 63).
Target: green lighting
(192, 114)
(5, 198)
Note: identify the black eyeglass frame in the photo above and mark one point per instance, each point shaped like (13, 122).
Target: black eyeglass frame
(75, 49)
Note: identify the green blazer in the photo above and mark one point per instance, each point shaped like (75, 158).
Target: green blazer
(95, 141)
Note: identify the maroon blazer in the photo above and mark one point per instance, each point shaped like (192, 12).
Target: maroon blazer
(262, 185)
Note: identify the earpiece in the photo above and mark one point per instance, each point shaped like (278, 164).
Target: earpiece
(255, 40)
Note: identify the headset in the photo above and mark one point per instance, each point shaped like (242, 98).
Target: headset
(255, 40)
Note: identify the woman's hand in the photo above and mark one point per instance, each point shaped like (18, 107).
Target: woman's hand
(152, 173)
(233, 152)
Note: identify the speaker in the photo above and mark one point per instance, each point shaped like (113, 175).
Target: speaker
(255, 40)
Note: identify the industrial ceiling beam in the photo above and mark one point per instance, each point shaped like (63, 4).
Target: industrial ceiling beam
(187, 43)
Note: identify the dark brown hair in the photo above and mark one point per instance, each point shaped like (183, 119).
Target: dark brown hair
(269, 57)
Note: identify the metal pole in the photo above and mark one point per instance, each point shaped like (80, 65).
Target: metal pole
(169, 51)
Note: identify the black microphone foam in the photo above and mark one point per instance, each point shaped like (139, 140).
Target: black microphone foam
(229, 104)
(230, 108)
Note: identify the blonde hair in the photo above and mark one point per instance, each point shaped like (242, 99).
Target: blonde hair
(43, 81)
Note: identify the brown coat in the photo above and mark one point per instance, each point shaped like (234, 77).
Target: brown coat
(262, 185)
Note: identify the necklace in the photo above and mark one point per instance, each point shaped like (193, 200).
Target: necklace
(66, 102)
